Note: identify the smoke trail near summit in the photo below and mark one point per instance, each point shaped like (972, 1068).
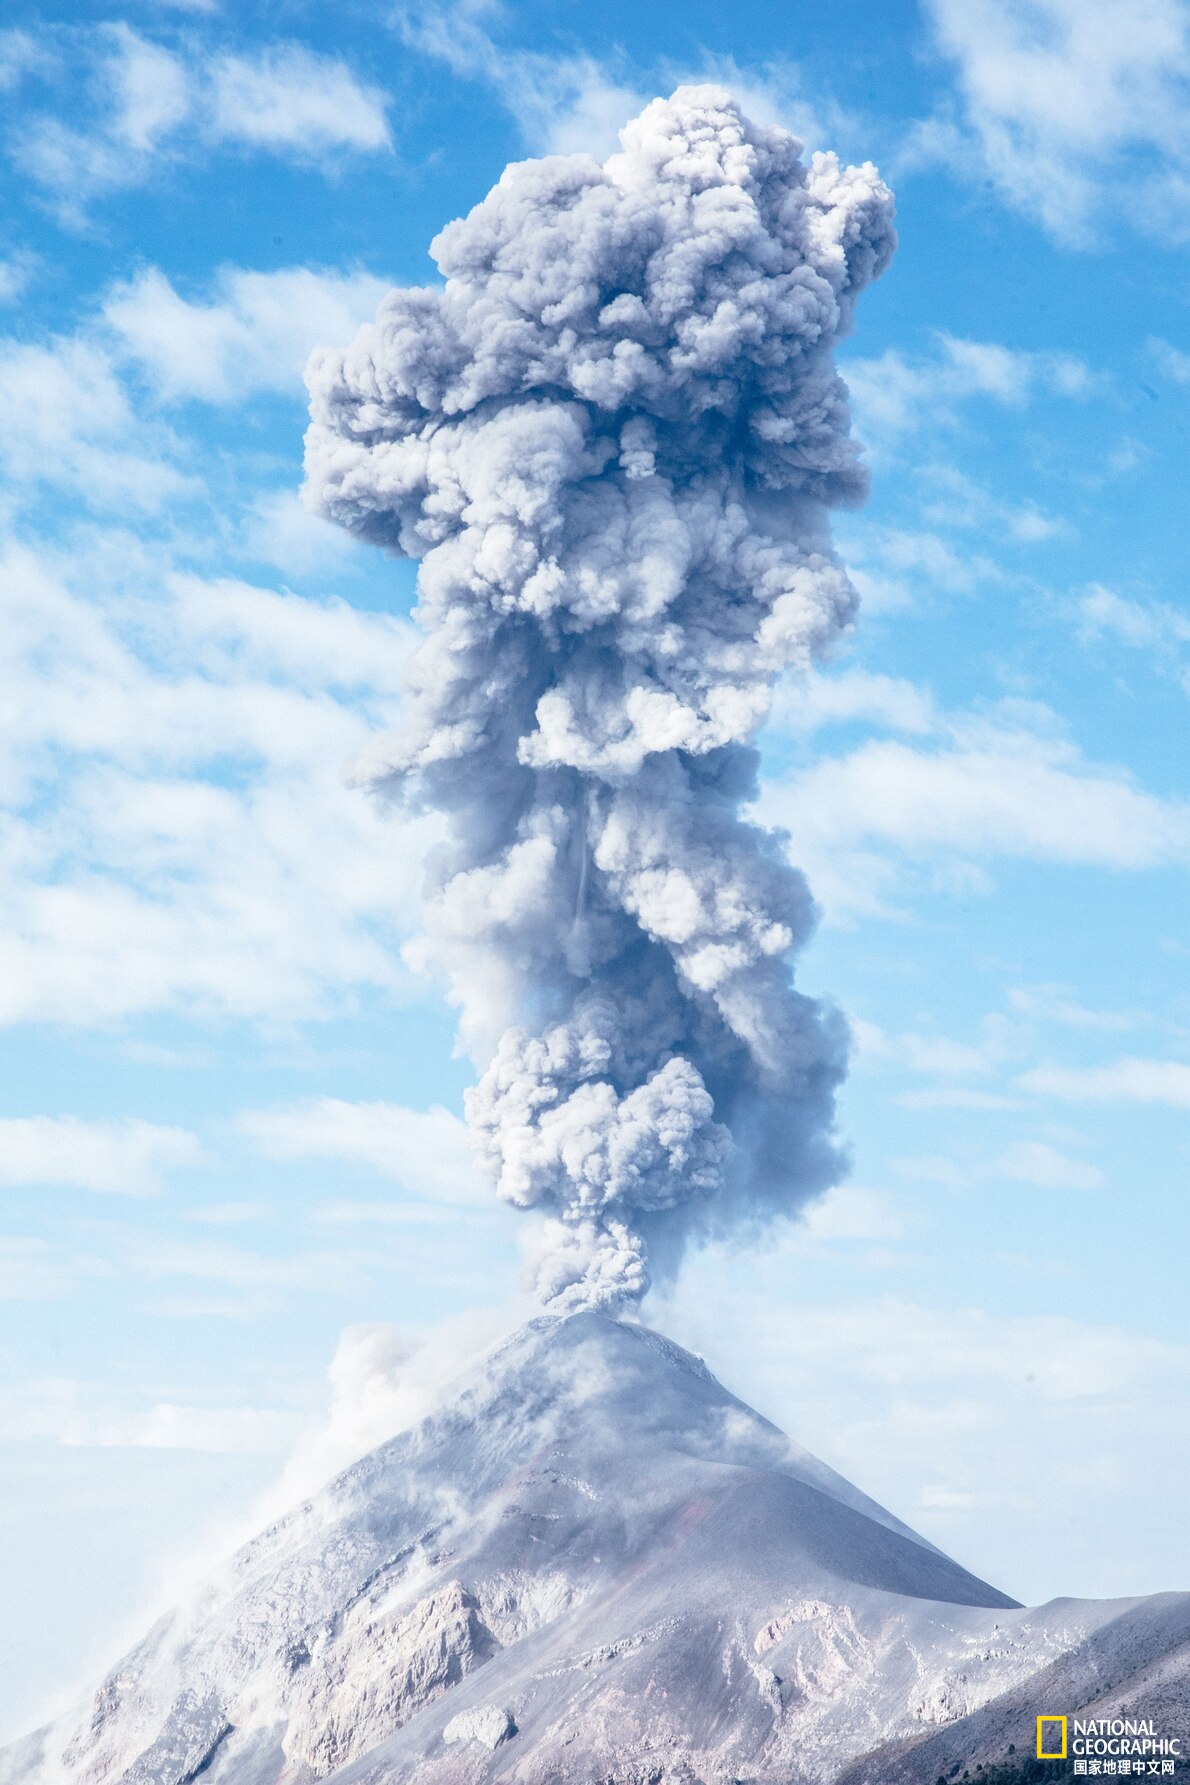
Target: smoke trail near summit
(613, 438)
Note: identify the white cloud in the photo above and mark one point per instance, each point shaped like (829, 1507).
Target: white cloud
(1074, 108)
(143, 103)
(849, 1212)
(808, 703)
(427, 1151)
(256, 1274)
(63, 1411)
(281, 531)
(226, 1431)
(382, 1214)
(77, 419)
(1035, 1162)
(895, 567)
(287, 98)
(234, 631)
(921, 1053)
(1056, 1004)
(1066, 1360)
(20, 53)
(954, 500)
(1122, 1081)
(1101, 612)
(16, 272)
(868, 818)
(1154, 628)
(32, 1270)
(72, 166)
(571, 102)
(933, 1168)
(956, 1097)
(149, 90)
(179, 833)
(257, 334)
(1173, 361)
(562, 104)
(127, 1157)
(140, 97)
(895, 395)
(230, 1214)
(68, 422)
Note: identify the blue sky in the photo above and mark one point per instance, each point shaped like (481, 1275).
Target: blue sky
(230, 1115)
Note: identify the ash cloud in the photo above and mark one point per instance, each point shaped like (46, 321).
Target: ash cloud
(613, 437)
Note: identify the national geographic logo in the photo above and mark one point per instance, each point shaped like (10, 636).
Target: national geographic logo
(1051, 1738)
(1109, 1747)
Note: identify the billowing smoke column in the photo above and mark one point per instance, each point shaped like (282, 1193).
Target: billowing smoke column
(612, 438)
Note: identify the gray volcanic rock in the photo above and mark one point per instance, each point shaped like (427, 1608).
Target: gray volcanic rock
(593, 1564)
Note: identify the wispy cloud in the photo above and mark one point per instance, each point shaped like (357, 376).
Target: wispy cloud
(816, 700)
(951, 499)
(1036, 1162)
(70, 423)
(562, 103)
(255, 334)
(33, 1270)
(1155, 628)
(1173, 362)
(1026, 1161)
(568, 101)
(1121, 1081)
(17, 272)
(425, 1150)
(85, 411)
(985, 790)
(289, 100)
(897, 394)
(1076, 110)
(143, 103)
(850, 1212)
(178, 832)
(20, 54)
(80, 1415)
(1057, 1004)
(126, 1157)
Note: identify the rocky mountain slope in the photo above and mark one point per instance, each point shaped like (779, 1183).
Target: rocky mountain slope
(593, 1564)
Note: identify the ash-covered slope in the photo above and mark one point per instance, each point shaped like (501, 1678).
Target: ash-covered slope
(591, 1563)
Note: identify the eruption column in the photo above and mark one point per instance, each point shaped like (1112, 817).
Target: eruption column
(612, 437)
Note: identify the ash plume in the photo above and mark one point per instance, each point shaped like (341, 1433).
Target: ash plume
(613, 437)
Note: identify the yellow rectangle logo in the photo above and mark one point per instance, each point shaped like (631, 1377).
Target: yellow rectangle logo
(1048, 1735)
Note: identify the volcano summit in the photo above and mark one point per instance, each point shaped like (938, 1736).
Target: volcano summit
(591, 1563)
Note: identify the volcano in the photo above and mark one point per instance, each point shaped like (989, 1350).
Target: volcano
(592, 1564)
